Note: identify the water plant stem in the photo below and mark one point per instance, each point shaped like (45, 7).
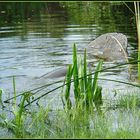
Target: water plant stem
(71, 80)
(137, 14)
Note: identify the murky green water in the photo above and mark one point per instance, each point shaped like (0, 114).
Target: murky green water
(36, 38)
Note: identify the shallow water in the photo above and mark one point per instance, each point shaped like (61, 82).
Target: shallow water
(40, 42)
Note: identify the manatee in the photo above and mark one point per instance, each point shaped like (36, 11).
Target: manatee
(60, 72)
(109, 46)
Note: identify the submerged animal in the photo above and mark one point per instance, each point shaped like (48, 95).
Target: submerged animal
(109, 46)
(61, 72)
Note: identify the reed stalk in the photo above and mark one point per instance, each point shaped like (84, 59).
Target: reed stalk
(87, 93)
(137, 15)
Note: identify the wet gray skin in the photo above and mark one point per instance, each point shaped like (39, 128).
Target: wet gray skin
(109, 46)
(61, 72)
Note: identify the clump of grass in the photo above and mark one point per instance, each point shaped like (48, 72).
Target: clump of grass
(16, 124)
(128, 102)
(86, 91)
(77, 124)
(39, 123)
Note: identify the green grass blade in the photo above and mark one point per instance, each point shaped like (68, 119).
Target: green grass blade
(14, 88)
(68, 80)
(98, 97)
(1, 103)
(88, 89)
(138, 30)
(97, 91)
(85, 69)
(81, 74)
(95, 82)
(75, 73)
(68, 86)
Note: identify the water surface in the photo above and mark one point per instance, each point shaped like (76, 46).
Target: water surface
(37, 40)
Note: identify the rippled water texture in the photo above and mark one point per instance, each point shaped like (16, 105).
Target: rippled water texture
(37, 38)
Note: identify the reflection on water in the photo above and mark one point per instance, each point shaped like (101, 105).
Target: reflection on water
(37, 40)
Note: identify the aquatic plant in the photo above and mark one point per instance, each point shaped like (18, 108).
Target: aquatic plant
(86, 90)
(40, 88)
(16, 124)
(69, 123)
(137, 15)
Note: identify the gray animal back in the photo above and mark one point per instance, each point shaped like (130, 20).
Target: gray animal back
(61, 72)
(109, 46)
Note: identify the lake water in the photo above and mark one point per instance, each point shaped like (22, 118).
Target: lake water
(37, 38)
